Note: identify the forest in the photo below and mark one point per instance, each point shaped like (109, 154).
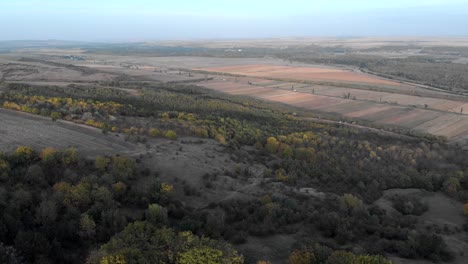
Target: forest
(113, 209)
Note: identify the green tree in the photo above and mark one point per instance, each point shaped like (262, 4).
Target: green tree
(124, 168)
(70, 156)
(156, 214)
(101, 163)
(55, 115)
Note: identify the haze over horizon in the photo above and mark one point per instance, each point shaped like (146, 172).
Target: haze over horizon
(144, 20)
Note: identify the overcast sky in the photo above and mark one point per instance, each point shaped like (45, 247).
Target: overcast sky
(137, 20)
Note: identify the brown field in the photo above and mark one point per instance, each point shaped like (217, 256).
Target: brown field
(302, 73)
(18, 129)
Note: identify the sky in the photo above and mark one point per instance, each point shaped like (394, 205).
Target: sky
(146, 20)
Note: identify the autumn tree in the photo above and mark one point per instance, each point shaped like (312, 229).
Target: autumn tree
(272, 145)
(170, 134)
(302, 257)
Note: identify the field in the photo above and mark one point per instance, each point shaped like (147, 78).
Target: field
(302, 74)
(20, 129)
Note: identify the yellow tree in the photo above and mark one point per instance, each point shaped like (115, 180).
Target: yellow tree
(272, 145)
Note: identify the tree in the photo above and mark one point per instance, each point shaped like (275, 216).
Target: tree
(46, 213)
(272, 145)
(465, 209)
(119, 188)
(153, 132)
(452, 185)
(350, 202)
(116, 259)
(8, 255)
(55, 115)
(156, 214)
(367, 259)
(170, 134)
(87, 227)
(302, 257)
(48, 155)
(220, 138)
(4, 169)
(201, 255)
(122, 167)
(101, 163)
(23, 154)
(142, 242)
(341, 257)
(166, 188)
(105, 128)
(280, 175)
(70, 156)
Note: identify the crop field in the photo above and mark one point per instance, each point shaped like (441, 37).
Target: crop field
(18, 129)
(302, 74)
(446, 105)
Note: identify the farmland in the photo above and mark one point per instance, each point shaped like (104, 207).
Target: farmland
(302, 74)
(386, 107)
(18, 129)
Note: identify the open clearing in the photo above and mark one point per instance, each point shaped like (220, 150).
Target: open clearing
(21, 129)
